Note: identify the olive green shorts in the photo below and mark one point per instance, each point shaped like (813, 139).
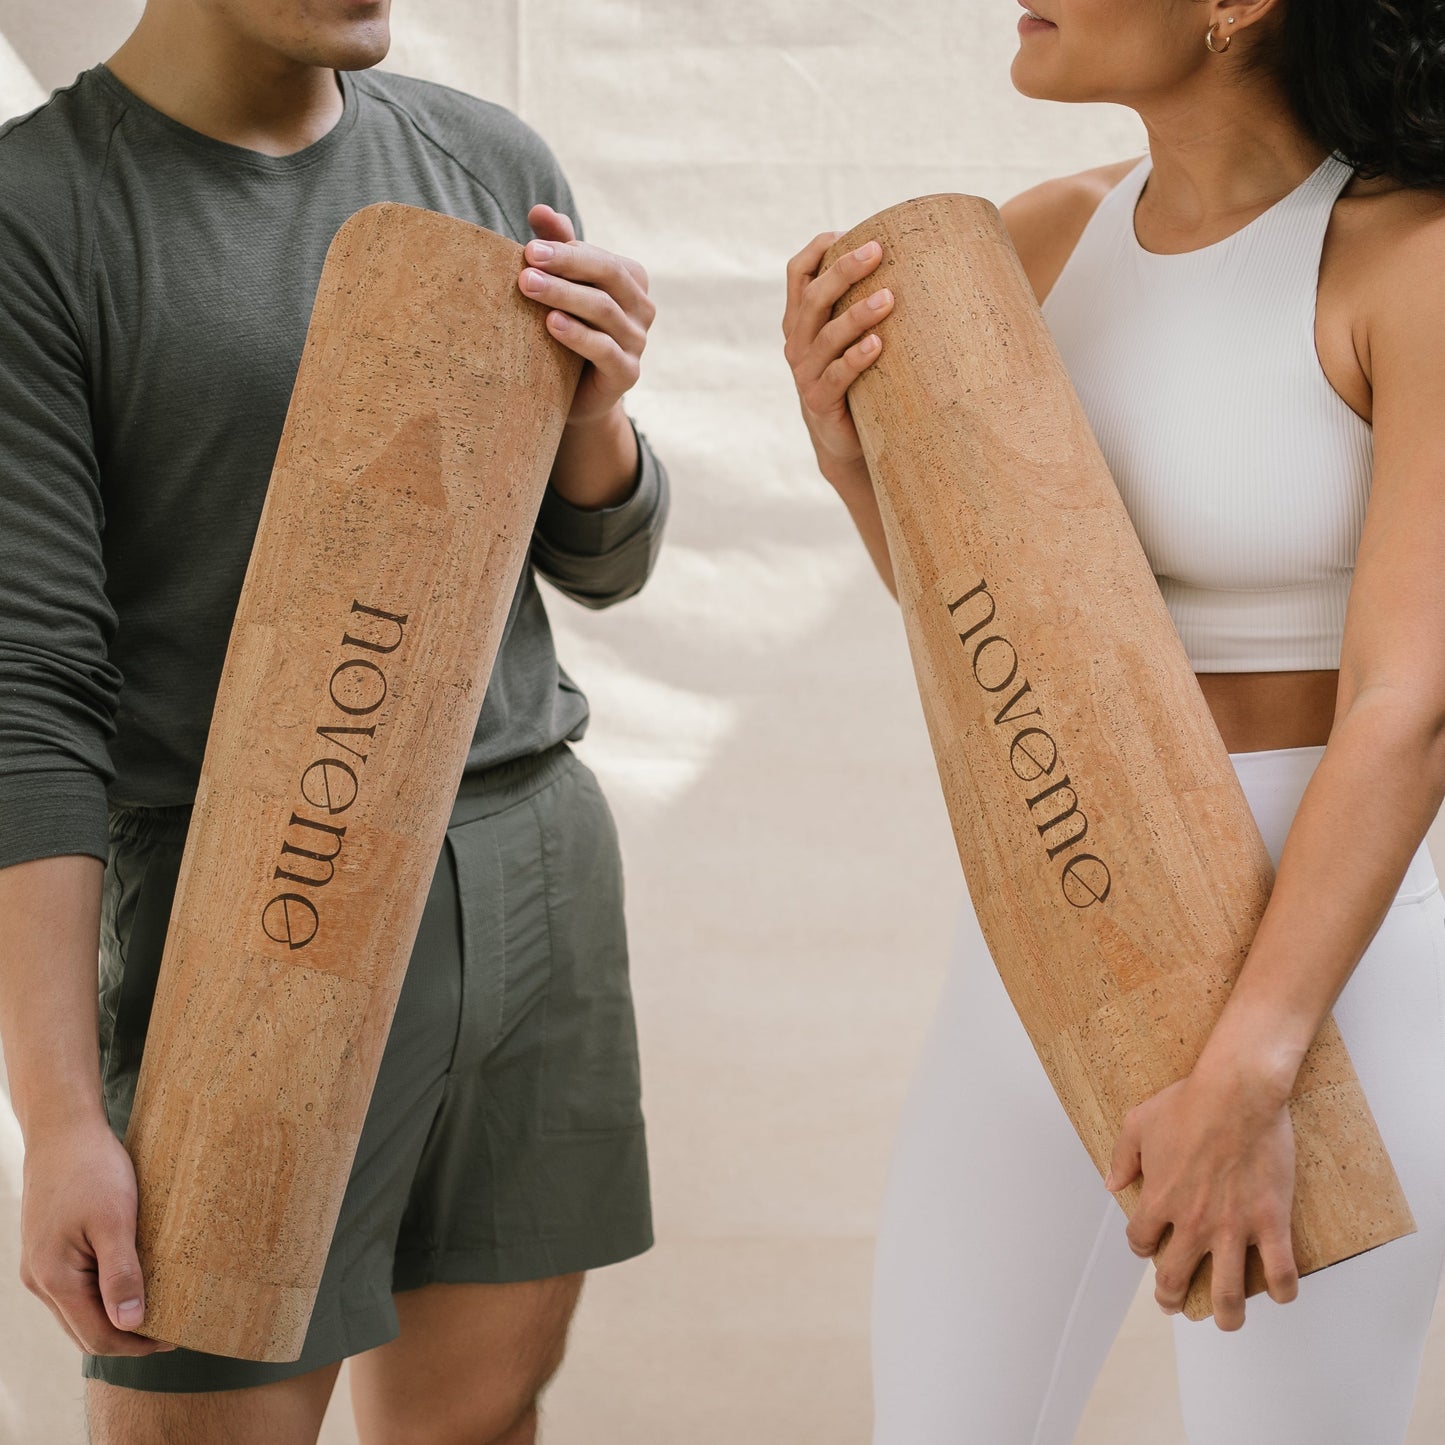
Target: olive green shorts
(504, 1140)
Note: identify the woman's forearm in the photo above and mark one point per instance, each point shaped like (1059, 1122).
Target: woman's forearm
(855, 487)
(1374, 795)
(49, 942)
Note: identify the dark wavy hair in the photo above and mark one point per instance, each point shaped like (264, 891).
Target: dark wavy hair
(1367, 79)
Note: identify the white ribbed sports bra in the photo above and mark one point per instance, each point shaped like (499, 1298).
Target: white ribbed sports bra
(1245, 474)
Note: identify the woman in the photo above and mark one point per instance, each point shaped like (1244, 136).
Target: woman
(1252, 316)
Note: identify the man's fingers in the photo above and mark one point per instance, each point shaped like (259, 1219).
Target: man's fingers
(118, 1272)
(615, 276)
(619, 367)
(587, 303)
(58, 1313)
(551, 225)
(76, 1303)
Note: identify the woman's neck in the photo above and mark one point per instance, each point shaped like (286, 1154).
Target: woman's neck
(1219, 160)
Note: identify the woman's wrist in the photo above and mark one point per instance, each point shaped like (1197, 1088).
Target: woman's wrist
(851, 479)
(1252, 1057)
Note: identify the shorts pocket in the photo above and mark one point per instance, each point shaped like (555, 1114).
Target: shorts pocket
(591, 1080)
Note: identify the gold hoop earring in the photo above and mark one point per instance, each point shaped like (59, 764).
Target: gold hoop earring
(1209, 39)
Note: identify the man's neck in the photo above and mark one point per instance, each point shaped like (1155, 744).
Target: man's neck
(190, 66)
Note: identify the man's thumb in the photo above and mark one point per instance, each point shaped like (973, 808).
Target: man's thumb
(122, 1288)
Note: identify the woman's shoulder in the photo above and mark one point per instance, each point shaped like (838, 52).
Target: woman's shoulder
(1379, 287)
(1383, 224)
(1046, 221)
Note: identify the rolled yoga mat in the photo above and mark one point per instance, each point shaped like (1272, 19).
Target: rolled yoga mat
(422, 428)
(1110, 854)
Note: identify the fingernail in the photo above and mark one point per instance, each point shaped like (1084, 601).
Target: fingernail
(1109, 1180)
(865, 252)
(1170, 1309)
(871, 344)
(533, 280)
(559, 321)
(129, 1312)
(540, 251)
(879, 299)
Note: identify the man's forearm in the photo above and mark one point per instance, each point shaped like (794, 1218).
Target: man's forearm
(49, 942)
(597, 461)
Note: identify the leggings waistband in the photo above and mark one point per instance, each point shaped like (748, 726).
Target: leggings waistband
(1275, 781)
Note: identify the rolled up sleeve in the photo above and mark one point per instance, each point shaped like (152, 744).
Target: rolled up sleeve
(599, 556)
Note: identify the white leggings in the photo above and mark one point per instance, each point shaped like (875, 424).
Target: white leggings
(1002, 1273)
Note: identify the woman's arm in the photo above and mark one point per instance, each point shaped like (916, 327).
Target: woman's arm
(827, 356)
(1213, 1148)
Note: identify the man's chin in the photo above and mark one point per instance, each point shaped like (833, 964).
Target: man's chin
(360, 46)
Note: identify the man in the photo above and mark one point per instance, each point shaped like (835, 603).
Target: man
(162, 227)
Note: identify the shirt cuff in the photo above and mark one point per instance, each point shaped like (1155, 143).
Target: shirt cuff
(47, 815)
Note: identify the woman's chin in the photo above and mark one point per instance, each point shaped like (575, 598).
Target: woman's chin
(1028, 78)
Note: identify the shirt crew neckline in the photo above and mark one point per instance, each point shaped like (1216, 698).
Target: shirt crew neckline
(300, 160)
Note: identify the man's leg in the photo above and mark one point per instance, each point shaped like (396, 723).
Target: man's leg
(286, 1412)
(468, 1365)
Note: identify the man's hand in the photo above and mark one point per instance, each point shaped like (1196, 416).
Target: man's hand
(598, 307)
(77, 1239)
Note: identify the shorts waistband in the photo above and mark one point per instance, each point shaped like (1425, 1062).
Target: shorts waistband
(495, 789)
(490, 790)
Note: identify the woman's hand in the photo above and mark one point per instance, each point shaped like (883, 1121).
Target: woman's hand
(598, 307)
(828, 355)
(77, 1239)
(1216, 1154)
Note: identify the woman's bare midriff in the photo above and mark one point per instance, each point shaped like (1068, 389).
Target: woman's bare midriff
(1258, 711)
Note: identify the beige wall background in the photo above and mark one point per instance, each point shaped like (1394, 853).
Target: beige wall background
(792, 879)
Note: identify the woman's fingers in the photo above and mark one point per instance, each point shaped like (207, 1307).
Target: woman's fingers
(1281, 1274)
(1226, 1284)
(801, 270)
(1126, 1164)
(1174, 1268)
(828, 391)
(822, 293)
(838, 335)
(1148, 1230)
